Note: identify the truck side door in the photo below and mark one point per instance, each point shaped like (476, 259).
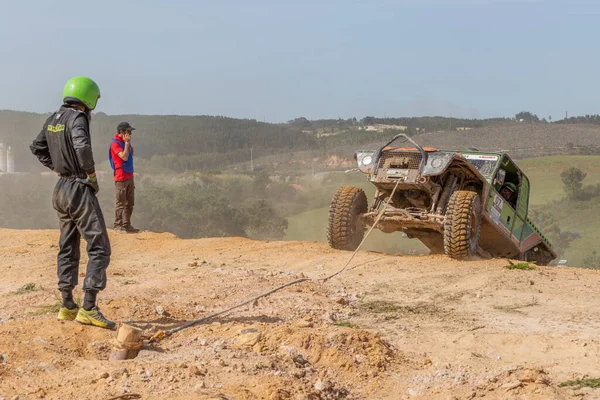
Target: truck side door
(521, 212)
(501, 212)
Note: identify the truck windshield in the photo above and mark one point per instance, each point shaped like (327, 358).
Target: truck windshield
(484, 163)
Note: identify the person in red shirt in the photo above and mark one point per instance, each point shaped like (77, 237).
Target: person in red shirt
(121, 161)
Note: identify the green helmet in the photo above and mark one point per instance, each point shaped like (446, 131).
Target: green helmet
(83, 90)
(512, 186)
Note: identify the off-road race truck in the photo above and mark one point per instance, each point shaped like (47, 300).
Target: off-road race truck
(456, 202)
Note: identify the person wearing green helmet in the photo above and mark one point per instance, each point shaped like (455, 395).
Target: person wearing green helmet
(82, 90)
(64, 146)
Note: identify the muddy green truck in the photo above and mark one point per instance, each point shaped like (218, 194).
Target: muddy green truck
(458, 202)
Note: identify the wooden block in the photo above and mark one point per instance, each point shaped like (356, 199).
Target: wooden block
(128, 344)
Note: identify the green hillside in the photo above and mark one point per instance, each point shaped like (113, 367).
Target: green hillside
(176, 142)
(206, 143)
(544, 174)
(576, 216)
(580, 217)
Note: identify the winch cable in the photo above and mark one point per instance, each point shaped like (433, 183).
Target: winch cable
(367, 235)
(161, 334)
(253, 300)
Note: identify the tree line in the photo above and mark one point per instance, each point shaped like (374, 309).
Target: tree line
(205, 142)
(205, 206)
(593, 119)
(429, 124)
(163, 135)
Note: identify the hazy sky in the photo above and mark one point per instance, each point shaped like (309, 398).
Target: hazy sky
(280, 59)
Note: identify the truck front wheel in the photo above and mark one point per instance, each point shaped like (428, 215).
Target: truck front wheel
(462, 224)
(344, 232)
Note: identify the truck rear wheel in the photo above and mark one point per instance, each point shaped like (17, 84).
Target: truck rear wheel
(344, 232)
(538, 255)
(462, 225)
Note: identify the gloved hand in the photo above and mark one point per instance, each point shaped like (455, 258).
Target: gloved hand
(93, 182)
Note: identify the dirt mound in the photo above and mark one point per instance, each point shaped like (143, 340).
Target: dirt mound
(347, 350)
(388, 328)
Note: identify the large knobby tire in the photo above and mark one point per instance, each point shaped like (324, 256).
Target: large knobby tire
(462, 225)
(344, 232)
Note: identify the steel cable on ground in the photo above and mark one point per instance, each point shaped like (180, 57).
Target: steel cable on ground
(366, 236)
(159, 335)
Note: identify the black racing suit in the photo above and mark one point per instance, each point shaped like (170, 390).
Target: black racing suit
(64, 145)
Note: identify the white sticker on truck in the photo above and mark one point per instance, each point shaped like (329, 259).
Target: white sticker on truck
(480, 157)
(496, 210)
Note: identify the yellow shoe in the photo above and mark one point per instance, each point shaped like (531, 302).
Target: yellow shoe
(94, 317)
(64, 314)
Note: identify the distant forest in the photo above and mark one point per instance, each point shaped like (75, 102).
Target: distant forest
(585, 119)
(217, 139)
(183, 143)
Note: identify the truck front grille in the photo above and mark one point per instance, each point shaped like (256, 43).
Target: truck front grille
(400, 160)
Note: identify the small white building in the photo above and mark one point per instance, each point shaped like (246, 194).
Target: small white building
(10, 161)
(3, 161)
(7, 159)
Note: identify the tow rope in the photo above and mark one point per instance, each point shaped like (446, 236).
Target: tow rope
(158, 336)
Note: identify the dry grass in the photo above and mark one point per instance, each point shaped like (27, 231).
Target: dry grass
(522, 265)
(346, 324)
(27, 288)
(47, 309)
(581, 383)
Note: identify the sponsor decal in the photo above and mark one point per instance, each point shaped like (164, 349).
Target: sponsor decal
(496, 210)
(56, 128)
(480, 157)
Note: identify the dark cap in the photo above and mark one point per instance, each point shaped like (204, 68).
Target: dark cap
(124, 126)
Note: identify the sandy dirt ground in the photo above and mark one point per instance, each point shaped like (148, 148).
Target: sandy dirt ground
(390, 327)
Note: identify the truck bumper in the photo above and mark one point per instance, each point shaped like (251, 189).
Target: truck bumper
(404, 220)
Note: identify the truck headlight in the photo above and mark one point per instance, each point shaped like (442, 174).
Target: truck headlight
(365, 160)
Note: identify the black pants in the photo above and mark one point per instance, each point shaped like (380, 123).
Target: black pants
(125, 201)
(79, 214)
